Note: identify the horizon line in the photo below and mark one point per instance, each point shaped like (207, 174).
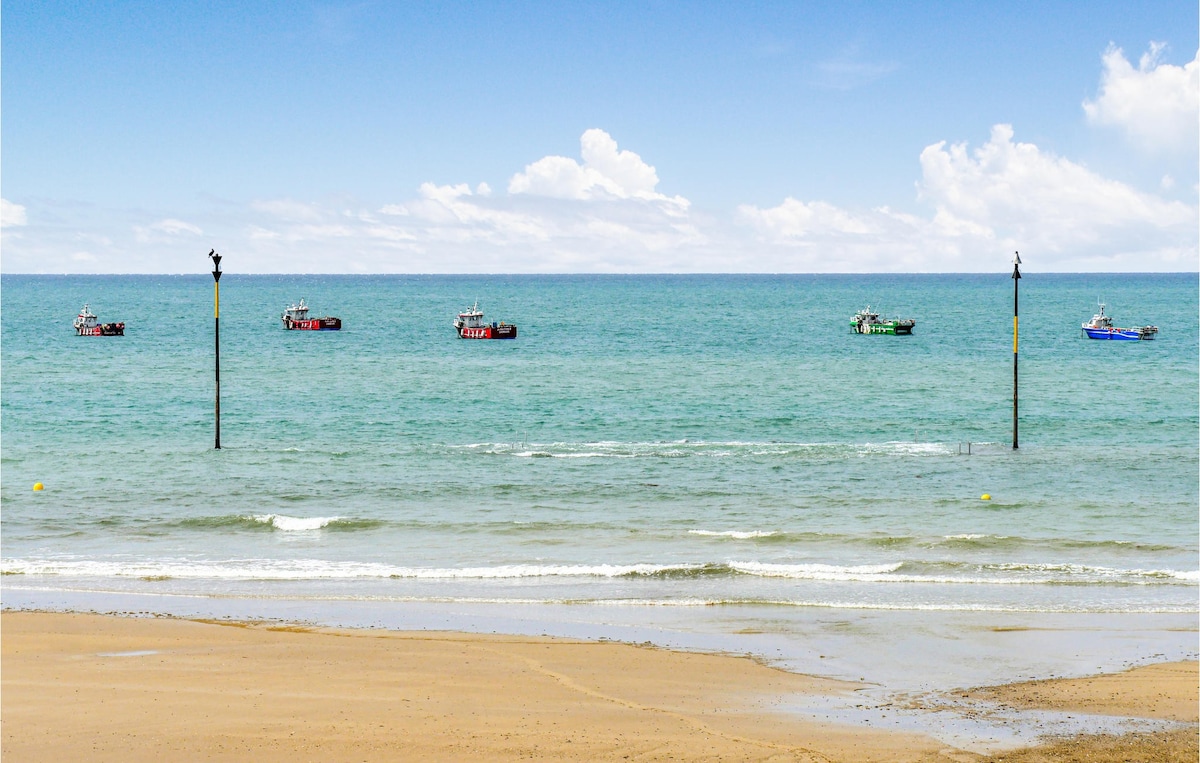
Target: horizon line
(634, 275)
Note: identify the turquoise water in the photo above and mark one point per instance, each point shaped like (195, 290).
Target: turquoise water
(710, 455)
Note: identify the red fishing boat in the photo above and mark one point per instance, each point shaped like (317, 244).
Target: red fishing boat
(86, 325)
(295, 318)
(470, 325)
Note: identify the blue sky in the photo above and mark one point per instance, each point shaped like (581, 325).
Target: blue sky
(599, 137)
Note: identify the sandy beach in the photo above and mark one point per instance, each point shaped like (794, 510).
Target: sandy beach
(94, 687)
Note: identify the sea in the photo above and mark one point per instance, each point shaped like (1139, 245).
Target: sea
(708, 462)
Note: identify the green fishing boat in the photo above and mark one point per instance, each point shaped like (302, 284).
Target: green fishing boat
(867, 322)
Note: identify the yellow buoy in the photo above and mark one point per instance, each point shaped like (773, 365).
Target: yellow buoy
(38, 486)
(985, 497)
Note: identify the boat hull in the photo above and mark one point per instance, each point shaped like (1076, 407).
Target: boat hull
(504, 331)
(314, 324)
(897, 328)
(104, 329)
(1114, 334)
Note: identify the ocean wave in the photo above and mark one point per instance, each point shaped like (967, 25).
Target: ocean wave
(860, 572)
(281, 522)
(314, 569)
(295, 524)
(986, 540)
(737, 534)
(1090, 570)
(904, 544)
(938, 573)
(964, 573)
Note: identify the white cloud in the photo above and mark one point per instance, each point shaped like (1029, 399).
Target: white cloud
(172, 226)
(1020, 191)
(164, 230)
(793, 219)
(1000, 197)
(1157, 105)
(606, 173)
(604, 214)
(455, 207)
(11, 215)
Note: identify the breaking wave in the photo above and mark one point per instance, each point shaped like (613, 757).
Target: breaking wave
(952, 573)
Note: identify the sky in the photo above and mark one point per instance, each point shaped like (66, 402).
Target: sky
(599, 137)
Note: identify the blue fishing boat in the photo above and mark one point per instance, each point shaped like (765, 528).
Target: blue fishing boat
(1101, 327)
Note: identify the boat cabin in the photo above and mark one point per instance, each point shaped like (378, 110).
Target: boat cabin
(86, 319)
(470, 319)
(1100, 320)
(297, 312)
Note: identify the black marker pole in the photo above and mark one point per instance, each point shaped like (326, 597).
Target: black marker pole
(1016, 276)
(216, 258)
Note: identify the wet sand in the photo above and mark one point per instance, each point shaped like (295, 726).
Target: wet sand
(1153, 691)
(94, 687)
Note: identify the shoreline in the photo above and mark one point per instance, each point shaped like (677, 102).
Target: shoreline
(109, 687)
(927, 650)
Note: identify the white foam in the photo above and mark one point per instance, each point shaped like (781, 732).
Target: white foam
(538, 570)
(318, 569)
(815, 571)
(1104, 572)
(739, 534)
(294, 524)
(313, 569)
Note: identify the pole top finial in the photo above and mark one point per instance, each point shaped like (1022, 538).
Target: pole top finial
(216, 258)
(1016, 265)
(1016, 258)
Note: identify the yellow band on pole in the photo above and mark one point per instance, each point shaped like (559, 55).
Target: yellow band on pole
(216, 300)
(1014, 335)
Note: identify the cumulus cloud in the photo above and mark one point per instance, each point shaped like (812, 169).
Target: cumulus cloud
(796, 219)
(1035, 196)
(1004, 195)
(11, 215)
(606, 173)
(441, 208)
(1156, 105)
(603, 213)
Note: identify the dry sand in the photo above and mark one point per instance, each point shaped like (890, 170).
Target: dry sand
(89, 687)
